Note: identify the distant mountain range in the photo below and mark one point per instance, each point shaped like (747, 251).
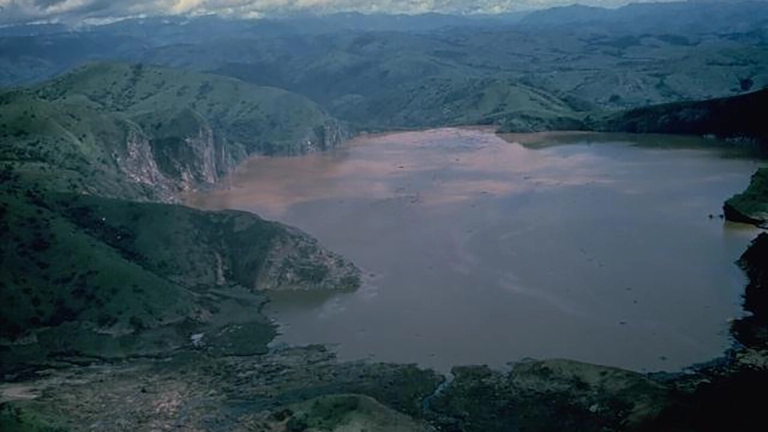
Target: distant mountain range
(517, 71)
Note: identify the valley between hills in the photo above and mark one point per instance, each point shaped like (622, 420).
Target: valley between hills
(121, 309)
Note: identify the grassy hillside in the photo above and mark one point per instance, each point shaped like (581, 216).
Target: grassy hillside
(459, 101)
(382, 72)
(90, 268)
(90, 276)
(388, 75)
(142, 132)
(261, 119)
(750, 206)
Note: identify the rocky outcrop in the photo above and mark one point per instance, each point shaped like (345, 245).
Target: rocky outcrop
(750, 206)
(188, 153)
(736, 213)
(297, 262)
(179, 159)
(549, 395)
(752, 330)
(327, 136)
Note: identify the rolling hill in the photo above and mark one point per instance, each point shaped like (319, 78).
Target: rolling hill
(95, 264)
(132, 131)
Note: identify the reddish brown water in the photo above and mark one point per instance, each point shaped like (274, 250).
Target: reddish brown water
(479, 250)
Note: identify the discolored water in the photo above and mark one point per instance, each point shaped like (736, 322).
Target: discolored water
(480, 250)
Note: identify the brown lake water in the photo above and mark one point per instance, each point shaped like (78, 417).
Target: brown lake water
(479, 250)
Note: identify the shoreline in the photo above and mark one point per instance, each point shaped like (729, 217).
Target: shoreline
(723, 356)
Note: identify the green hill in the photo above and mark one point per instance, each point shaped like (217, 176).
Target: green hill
(90, 268)
(260, 119)
(733, 117)
(435, 102)
(97, 277)
(143, 132)
(750, 206)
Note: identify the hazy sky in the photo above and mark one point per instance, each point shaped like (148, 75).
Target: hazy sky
(75, 10)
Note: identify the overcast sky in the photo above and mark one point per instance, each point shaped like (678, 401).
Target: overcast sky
(72, 11)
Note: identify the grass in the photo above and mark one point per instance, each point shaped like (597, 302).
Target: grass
(750, 206)
(167, 101)
(91, 267)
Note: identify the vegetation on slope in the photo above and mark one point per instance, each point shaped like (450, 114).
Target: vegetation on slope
(550, 395)
(88, 270)
(555, 64)
(750, 206)
(91, 276)
(138, 132)
(734, 117)
(461, 101)
(260, 119)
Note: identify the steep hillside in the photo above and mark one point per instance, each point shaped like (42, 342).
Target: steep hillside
(142, 132)
(260, 119)
(89, 276)
(90, 268)
(733, 117)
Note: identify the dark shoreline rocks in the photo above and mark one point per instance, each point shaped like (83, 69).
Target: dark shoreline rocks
(750, 206)
(752, 330)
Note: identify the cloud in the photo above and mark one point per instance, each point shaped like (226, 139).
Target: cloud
(75, 11)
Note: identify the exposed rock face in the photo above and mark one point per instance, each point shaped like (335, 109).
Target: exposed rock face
(297, 262)
(327, 137)
(139, 165)
(190, 154)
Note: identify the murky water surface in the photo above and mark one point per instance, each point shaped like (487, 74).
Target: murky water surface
(480, 250)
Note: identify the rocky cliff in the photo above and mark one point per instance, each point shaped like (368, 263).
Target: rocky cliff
(175, 131)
